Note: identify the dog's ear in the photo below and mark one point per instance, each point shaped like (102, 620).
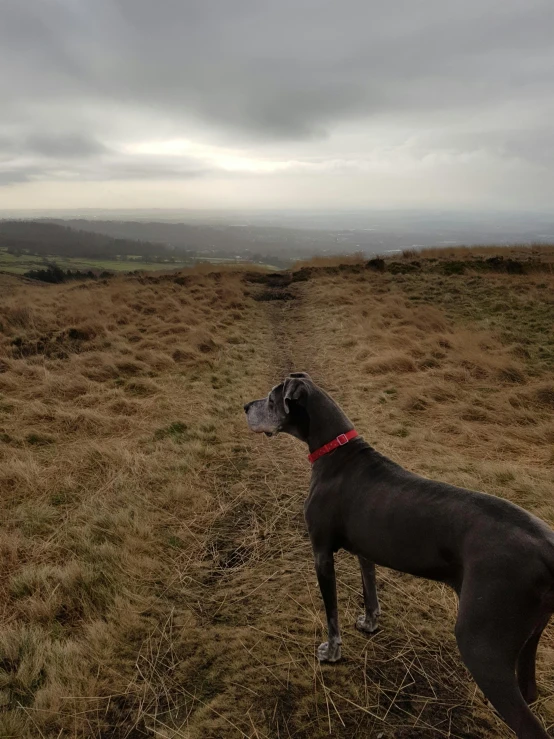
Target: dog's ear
(295, 388)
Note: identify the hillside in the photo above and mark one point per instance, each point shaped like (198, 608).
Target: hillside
(222, 239)
(157, 578)
(127, 246)
(52, 239)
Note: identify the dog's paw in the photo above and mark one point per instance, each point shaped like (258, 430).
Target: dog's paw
(367, 625)
(328, 652)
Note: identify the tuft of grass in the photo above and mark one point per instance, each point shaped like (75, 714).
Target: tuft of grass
(392, 362)
(330, 261)
(175, 431)
(39, 439)
(539, 250)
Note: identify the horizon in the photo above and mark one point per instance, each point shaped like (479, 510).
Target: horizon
(325, 231)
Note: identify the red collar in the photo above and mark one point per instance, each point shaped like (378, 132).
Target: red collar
(341, 440)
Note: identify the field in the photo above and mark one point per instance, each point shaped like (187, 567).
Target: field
(157, 579)
(20, 264)
(26, 262)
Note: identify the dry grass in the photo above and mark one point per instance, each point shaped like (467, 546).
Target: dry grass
(111, 447)
(203, 268)
(332, 260)
(453, 377)
(157, 579)
(515, 251)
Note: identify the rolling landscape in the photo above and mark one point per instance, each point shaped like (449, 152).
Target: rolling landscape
(157, 577)
(197, 200)
(275, 240)
(27, 245)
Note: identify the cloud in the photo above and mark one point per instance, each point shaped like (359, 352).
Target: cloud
(68, 146)
(294, 86)
(11, 177)
(114, 166)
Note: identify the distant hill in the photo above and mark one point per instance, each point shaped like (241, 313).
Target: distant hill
(54, 239)
(250, 241)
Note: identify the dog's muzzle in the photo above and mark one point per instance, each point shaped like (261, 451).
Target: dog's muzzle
(257, 419)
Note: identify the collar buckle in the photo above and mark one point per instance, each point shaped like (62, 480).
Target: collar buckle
(338, 441)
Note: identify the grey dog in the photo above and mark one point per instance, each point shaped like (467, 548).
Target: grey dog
(497, 557)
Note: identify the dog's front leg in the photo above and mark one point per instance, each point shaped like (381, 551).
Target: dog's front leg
(368, 621)
(329, 651)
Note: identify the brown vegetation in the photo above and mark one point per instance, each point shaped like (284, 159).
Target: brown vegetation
(515, 251)
(332, 260)
(156, 576)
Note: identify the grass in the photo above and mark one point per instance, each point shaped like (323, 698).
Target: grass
(157, 579)
(332, 260)
(540, 250)
(24, 263)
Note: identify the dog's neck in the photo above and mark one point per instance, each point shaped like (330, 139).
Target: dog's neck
(324, 421)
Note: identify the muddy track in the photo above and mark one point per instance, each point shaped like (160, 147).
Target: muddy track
(284, 296)
(249, 662)
(402, 686)
(284, 315)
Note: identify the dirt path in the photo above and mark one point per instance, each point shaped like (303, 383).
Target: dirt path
(253, 671)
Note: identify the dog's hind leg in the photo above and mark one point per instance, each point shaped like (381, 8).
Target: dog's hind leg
(526, 663)
(367, 622)
(494, 623)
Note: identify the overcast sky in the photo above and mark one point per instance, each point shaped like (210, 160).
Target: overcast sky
(276, 103)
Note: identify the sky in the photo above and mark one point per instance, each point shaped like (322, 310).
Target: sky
(277, 104)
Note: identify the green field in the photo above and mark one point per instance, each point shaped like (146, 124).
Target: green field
(26, 262)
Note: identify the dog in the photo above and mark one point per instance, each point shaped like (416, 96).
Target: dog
(497, 557)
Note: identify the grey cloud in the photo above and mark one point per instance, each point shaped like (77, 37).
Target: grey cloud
(11, 177)
(74, 155)
(288, 69)
(150, 168)
(68, 146)
(293, 69)
(534, 146)
(260, 74)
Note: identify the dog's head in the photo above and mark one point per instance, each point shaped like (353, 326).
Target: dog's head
(284, 409)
